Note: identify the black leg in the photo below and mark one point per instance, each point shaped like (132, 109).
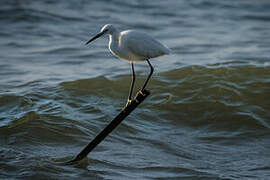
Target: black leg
(132, 82)
(149, 76)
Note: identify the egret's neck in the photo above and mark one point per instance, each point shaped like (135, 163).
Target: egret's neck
(114, 43)
(114, 38)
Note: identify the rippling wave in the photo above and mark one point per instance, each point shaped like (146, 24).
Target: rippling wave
(228, 98)
(197, 95)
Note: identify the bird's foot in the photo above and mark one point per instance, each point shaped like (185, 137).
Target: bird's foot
(144, 92)
(128, 103)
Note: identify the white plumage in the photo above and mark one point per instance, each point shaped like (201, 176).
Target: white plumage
(133, 46)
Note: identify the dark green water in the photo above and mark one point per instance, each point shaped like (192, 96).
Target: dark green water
(208, 115)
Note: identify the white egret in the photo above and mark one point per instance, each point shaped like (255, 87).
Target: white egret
(133, 46)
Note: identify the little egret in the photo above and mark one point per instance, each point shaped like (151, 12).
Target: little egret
(133, 46)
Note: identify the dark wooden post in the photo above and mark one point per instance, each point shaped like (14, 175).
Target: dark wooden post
(140, 96)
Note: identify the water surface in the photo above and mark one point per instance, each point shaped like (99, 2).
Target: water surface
(208, 116)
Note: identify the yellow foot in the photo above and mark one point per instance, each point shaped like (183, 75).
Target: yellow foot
(143, 92)
(128, 102)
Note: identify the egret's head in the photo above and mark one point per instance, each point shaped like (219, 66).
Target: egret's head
(106, 29)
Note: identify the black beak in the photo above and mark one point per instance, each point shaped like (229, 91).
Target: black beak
(95, 37)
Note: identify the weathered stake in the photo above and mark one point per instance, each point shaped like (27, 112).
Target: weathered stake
(140, 96)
